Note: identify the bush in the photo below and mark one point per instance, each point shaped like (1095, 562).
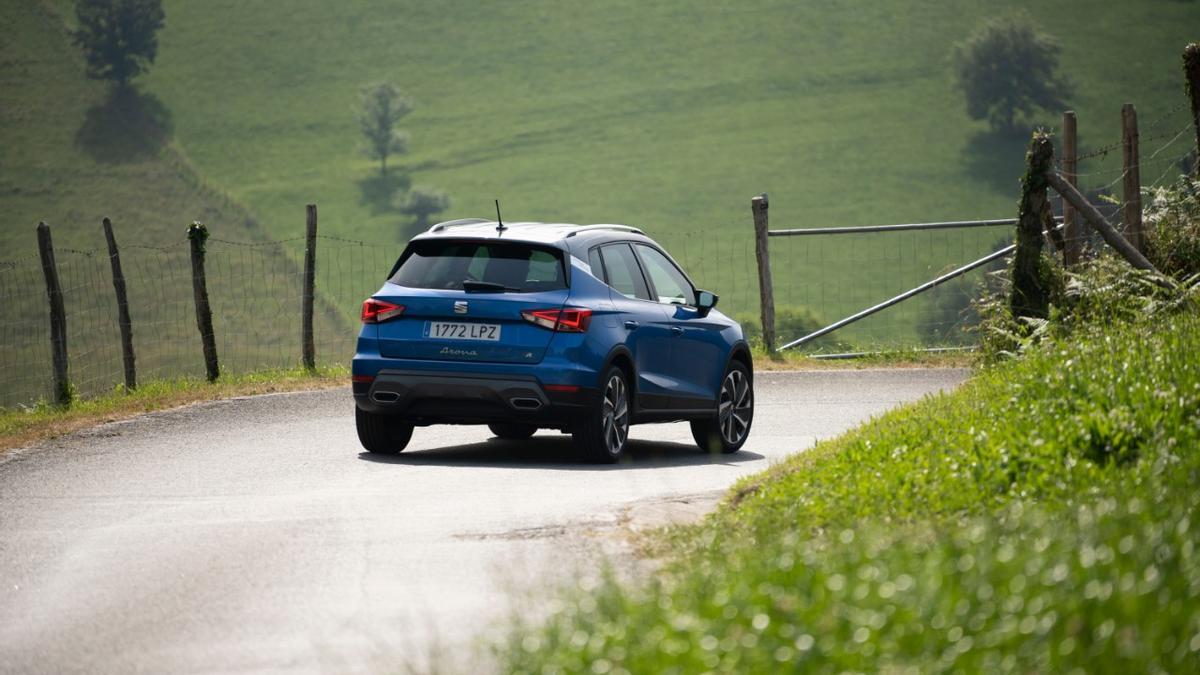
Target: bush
(1105, 289)
(1039, 519)
(790, 323)
(1172, 228)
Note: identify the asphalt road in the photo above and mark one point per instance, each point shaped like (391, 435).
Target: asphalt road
(253, 535)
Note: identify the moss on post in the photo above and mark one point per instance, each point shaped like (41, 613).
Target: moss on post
(1030, 276)
(197, 235)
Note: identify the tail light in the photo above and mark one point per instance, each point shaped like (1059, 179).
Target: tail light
(568, 320)
(378, 311)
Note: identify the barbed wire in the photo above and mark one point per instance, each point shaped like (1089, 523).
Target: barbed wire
(1156, 123)
(254, 244)
(1162, 118)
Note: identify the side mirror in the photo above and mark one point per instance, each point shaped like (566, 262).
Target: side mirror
(705, 301)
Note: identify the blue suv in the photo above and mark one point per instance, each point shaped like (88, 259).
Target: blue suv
(523, 326)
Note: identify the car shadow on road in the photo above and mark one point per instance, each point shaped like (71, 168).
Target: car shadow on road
(549, 452)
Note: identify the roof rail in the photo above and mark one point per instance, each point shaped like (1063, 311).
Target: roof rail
(606, 226)
(456, 223)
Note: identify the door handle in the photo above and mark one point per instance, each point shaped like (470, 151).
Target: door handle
(676, 330)
(631, 325)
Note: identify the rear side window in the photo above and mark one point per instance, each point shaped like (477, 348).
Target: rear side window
(623, 273)
(513, 267)
(597, 266)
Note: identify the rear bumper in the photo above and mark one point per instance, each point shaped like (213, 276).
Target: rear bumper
(427, 397)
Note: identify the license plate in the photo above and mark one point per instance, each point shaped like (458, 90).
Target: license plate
(453, 330)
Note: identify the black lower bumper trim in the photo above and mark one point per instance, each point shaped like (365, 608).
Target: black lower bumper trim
(442, 398)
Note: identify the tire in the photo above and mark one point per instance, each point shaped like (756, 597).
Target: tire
(728, 430)
(512, 431)
(382, 434)
(603, 432)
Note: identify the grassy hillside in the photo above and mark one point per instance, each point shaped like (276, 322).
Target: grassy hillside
(666, 115)
(71, 153)
(669, 115)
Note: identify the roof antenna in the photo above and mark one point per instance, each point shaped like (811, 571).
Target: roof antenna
(499, 222)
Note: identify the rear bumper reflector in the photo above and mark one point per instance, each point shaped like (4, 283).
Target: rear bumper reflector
(566, 388)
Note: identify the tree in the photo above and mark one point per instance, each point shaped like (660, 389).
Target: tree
(382, 108)
(118, 37)
(422, 204)
(1006, 69)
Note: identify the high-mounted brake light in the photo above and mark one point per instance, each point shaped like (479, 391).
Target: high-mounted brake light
(570, 320)
(377, 311)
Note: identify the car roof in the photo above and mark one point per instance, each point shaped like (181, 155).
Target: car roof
(574, 238)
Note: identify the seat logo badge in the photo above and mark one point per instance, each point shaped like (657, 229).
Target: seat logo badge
(460, 306)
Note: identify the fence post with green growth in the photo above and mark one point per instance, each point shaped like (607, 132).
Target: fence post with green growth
(1030, 292)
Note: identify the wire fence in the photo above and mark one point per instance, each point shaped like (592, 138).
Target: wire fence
(821, 278)
(256, 288)
(255, 292)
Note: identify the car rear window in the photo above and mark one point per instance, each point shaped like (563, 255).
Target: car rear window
(513, 267)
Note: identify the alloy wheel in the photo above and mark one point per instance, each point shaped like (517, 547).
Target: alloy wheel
(736, 407)
(615, 415)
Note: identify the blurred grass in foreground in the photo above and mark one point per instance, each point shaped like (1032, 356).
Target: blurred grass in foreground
(1042, 518)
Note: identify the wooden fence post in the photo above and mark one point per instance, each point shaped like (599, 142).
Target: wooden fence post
(58, 317)
(1191, 71)
(197, 234)
(1094, 217)
(1072, 231)
(123, 320)
(309, 349)
(766, 292)
(1030, 292)
(1132, 209)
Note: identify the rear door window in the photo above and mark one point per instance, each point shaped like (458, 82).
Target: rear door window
(622, 271)
(513, 267)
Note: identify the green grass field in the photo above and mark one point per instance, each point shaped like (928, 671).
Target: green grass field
(665, 115)
(669, 116)
(70, 154)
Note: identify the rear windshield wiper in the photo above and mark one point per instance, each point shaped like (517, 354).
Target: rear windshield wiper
(473, 285)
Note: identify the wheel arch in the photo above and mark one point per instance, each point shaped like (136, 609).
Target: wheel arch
(621, 357)
(741, 352)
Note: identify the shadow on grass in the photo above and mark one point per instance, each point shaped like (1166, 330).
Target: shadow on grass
(378, 191)
(127, 126)
(996, 159)
(549, 452)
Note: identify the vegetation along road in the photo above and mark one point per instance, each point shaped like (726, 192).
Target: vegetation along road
(250, 534)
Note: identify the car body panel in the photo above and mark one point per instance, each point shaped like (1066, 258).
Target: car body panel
(678, 354)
